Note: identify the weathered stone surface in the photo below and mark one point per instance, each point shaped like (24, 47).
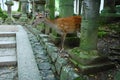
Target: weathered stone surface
(90, 61)
(51, 49)
(59, 64)
(8, 73)
(8, 60)
(50, 77)
(87, 69)
(68, 73)
(7, 52)
(52, 52)
(42, 56)
(7, 28)
(43, 36)
(47, 75)
(7, 34)
(7, 38)
(54, 56)
(73, 75)
(10, 44)
(64, 73)
(53, 68)
(44, 65)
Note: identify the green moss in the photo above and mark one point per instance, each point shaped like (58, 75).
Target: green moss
(102, 34)
(80, 78)
(75, 51)
(84, 54)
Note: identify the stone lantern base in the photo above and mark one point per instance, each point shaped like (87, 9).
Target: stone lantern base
(90, 62)
(10, 20)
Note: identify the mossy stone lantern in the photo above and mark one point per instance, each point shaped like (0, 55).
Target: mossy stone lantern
(9, 5)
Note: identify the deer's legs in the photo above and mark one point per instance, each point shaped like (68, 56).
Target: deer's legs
(62, 41)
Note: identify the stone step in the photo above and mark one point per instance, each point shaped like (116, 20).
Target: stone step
(7, 34)
(87, 69)
(7, 52)
(8, 60)
(8, 44)
(7, 39)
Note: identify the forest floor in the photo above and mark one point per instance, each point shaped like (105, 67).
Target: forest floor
(109, 40)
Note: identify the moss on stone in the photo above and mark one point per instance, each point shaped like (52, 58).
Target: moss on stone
(80, 52)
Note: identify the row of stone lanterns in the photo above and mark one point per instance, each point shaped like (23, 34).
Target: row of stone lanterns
(37, 6)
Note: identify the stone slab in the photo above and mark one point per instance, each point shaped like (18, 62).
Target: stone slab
(8, 60)
(2, 39)
(7, 52)
(87, 69)
(8, 44)
(68, 73)
(27, 66)
(7, 34)
(8, 28)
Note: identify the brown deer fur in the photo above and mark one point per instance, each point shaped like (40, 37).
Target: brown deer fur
(63, 26)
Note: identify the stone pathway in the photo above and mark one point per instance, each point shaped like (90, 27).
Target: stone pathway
(41, 58)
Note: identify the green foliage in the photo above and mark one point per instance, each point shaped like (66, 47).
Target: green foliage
(3, 15)
(75, 50)
(80, 78)
(102, 34)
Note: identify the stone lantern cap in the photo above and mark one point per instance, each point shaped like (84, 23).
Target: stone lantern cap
(9, 3)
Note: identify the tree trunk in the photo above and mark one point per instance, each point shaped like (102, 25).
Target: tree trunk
(89, 26)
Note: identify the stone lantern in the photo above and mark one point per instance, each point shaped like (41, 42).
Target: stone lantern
(24, 4)
(9, 4)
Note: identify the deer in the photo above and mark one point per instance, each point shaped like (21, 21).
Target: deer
(63, 26)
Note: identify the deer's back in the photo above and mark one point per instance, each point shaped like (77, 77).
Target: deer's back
(69, 24)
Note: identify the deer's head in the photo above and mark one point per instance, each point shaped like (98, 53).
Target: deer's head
(38, 19)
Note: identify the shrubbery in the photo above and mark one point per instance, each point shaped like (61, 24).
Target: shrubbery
(3, 15)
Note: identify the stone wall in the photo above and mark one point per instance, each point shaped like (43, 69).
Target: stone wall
(60, 64)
